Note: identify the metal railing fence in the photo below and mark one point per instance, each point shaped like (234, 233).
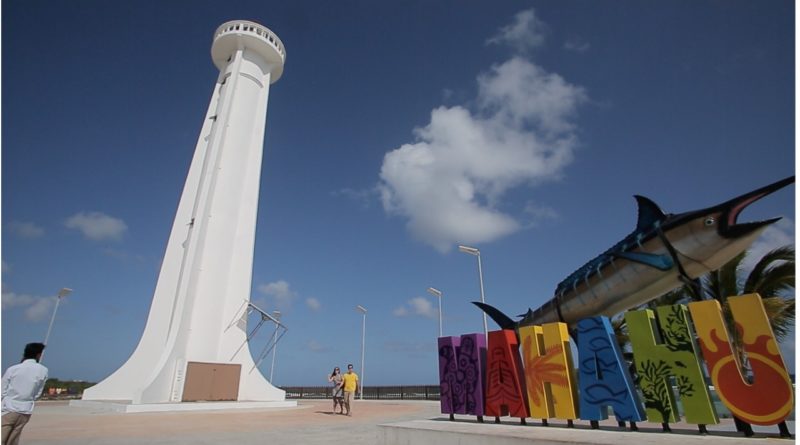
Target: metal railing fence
(402, 392)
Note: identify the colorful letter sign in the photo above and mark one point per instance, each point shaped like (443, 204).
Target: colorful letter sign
(665, 358)
(673, 355)
(505, 389)
(769, 398)
(549, 373)
(461, 374)
(604, 377)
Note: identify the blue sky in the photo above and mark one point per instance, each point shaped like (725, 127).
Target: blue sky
(397, 131)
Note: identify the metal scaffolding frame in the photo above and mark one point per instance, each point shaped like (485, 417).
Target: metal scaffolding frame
(241, 316)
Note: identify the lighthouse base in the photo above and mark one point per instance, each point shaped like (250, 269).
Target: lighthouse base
(125, 406)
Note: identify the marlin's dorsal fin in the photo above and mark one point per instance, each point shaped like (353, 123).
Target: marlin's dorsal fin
(649, 213)
(528, 314)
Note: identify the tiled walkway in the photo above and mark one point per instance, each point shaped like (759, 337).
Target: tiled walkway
(311, 422)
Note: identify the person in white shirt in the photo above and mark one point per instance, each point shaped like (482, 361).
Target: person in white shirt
(22, 384)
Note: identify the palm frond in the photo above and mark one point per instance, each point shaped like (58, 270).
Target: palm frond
(773, 278)
(780, 313)
(728, 277)
(777, 281)
(675, 296)
(620, 328)
(782, 255)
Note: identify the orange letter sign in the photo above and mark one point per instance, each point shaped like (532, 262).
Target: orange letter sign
(769, 399)
(505, 390)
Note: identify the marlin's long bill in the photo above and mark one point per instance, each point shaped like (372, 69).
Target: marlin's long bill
(662, 253)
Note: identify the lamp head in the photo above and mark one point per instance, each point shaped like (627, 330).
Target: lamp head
(361, 309)
(64, 292)
(435, 292)
(469, 250)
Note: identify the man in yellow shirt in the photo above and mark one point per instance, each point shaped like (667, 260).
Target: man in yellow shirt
(350, 386)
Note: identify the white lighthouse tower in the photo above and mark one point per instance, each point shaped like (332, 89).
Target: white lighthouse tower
(189, 344)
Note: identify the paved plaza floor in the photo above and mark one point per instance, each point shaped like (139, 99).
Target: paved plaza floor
(311, 422)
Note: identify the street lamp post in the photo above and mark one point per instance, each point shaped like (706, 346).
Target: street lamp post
(438, 294)
(277, 315)
(61, 294)
(475, 252)
(363, 337)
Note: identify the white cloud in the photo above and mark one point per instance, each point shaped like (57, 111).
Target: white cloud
(522, 95)
(577, 45)
(259, 302)
(776, 235)
(25, 229)
(526, 32)
(423, 307)
(122, 255)
(36, 308)
(538, 213)
(12, 299)
(447, 93)
(363, 197)
(417, 306)
(97, 226)
(400, 311)
(279, 292)
(40, 309)
(278, 289)
(313, 304)
(449, 183)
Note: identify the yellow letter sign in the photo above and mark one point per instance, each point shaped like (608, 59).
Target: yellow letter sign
(549, 374)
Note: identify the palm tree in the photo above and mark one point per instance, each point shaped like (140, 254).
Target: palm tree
(772, 277)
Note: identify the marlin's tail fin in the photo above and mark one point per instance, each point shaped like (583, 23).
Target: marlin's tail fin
(500, 318)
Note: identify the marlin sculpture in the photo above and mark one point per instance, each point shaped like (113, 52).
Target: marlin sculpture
(664, 252)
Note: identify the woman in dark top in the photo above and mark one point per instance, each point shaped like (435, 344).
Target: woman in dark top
(336, 380)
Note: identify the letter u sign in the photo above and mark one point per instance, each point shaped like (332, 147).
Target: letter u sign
(767, 399)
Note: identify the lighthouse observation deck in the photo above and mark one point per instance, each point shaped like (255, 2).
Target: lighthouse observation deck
(237, 34)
